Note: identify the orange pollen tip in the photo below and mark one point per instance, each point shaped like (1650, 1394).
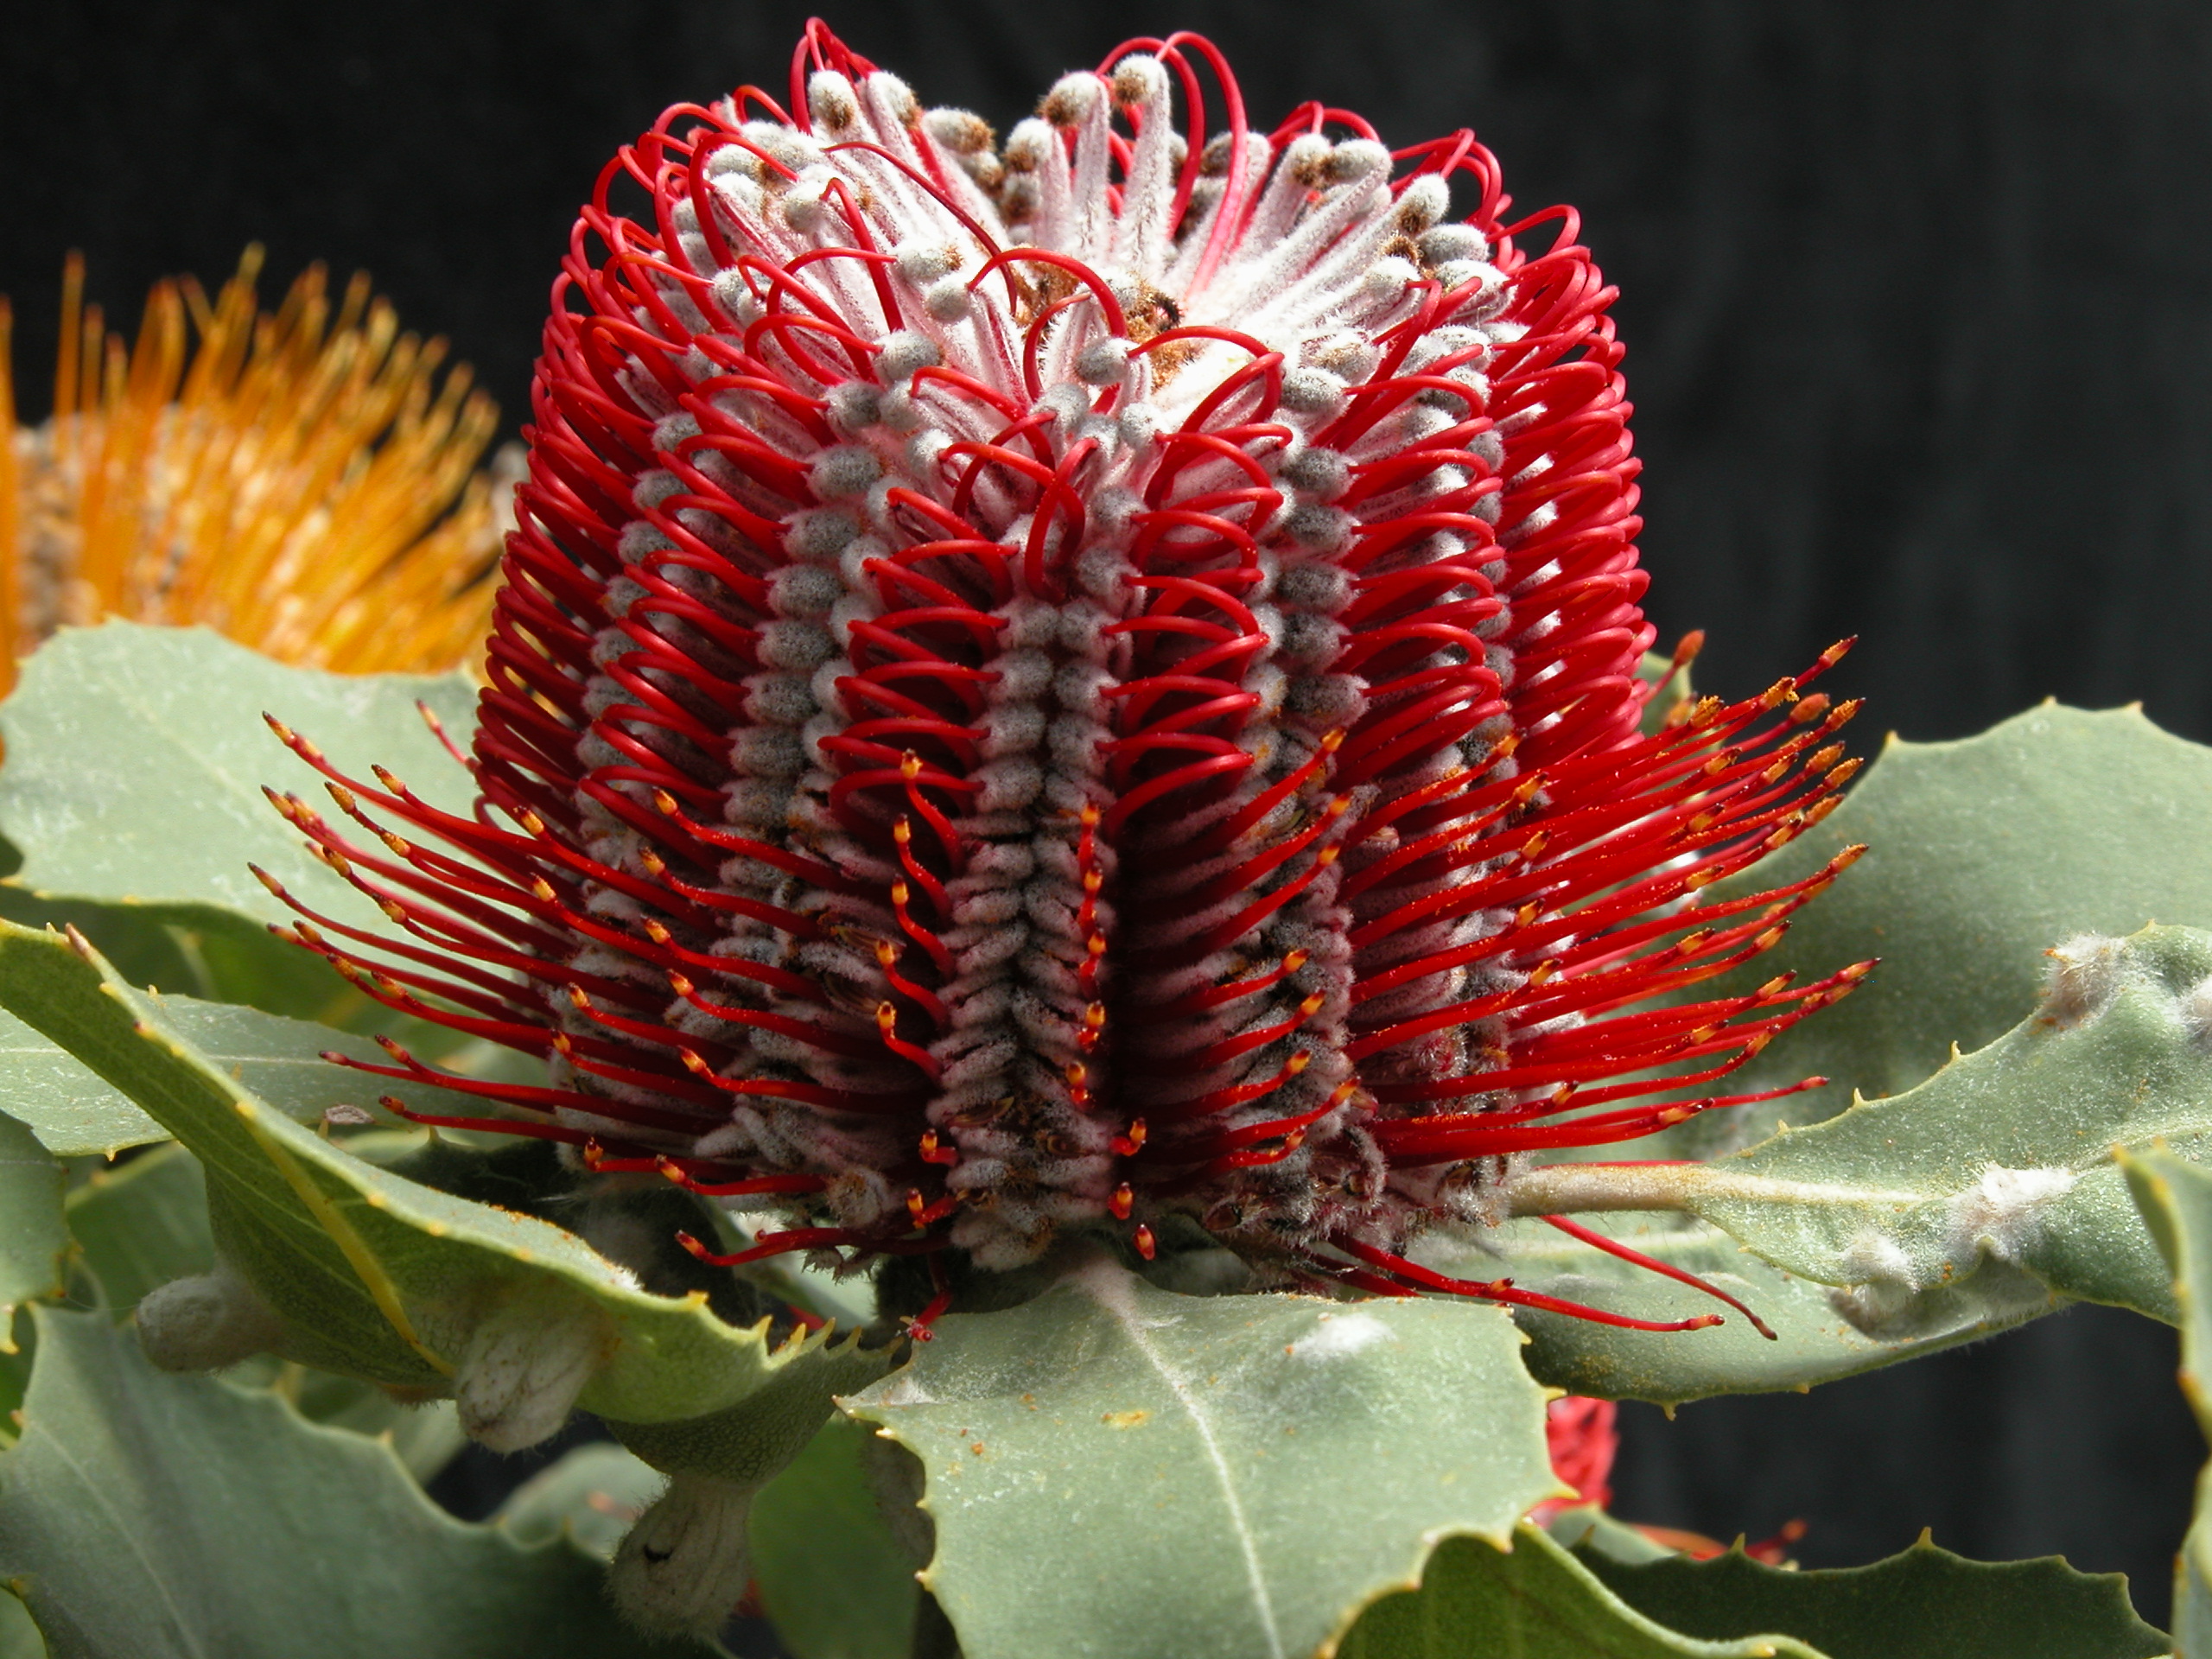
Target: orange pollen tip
(1564, 1093)
(887, 1018)
(909, 765)
(1825, 758)
(267, 881)
(1769, 939)
(1820, 809)
(693, 1064)
(576, 996)
(1094, 1016)
(1709, 709)
(1295, 960)
(1338, 805)
(1311, 1006)
(343, 796)
(1125, 1146)
(397, 844)
(885, 953)
(1123, 1201)
(1849, 856)
(915, 1203)
(1090, 818)
(693, 1246)
(665, 803)
(656, 932)
(1541, 972)
(903, 831)
(1296, 1064)
(1536, 844)
(542, 890)
(392, 908)
(562, 1044)
(1529, 790)
(283, 732)
(1078, 1074)
(1503, 748)
(681, 984)
(1092, 881)
(1343, 1092)
(530, 822)
(1758, 1044)
(1095, 944)
(1147, 1246)
(1328, 855)
(654, 863)
(1774, 987)
(1838, 776)
(1848, 710)
(1528, 913)
(901, 893)
(1810, 710)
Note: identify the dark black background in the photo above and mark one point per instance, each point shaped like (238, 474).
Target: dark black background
(1918, 303)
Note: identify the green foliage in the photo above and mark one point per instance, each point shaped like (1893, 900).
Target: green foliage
(75, 1113)
(1985, 1196)
(382, 1278)
(1923, 1604)
(33, 1235)
(1980, 854)
(1115, 1469)
(153, 1515)
(136, 758)
(833, 1579)
(143, 1224)
(1476, 1601)
(2176, 1197)
(590, 1496)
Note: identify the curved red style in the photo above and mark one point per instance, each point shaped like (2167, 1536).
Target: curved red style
(1080, 684)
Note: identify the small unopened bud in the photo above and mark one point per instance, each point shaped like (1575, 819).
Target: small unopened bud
(206, 1323)
(519, 1372)
(685, 1564)
(2085, 971)
(1103, 361)
(947, 299)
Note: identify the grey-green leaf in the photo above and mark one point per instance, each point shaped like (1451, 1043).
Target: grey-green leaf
(591, 1495)
(163, 1517)
(1985, 1196)
(1924, 1603)
(1814, 1342)
(1214, 1477)
(75, 1113)
(142, 1224)
(384, 1279)
(33, 1235)
(1980, 854)
(136, 756)
(1538, 1602)
(833, 1579)
(2176, 1198)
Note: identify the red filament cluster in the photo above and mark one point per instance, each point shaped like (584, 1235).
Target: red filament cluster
(1072, 683)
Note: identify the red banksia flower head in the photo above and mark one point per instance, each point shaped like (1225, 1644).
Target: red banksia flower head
(1084, 683)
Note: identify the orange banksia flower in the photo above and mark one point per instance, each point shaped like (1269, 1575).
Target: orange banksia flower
(304, 482)
(1084, 683)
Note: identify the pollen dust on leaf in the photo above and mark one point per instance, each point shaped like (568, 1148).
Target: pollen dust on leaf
(1125, 1419)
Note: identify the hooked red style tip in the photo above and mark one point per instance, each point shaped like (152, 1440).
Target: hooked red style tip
(1072, 682)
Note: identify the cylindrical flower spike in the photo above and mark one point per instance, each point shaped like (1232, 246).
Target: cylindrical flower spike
(1069, 684)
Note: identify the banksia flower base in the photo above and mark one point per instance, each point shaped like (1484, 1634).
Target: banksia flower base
(1084, 685)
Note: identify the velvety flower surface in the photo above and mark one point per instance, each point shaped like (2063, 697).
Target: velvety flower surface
(1084, 683)
(302, 480)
